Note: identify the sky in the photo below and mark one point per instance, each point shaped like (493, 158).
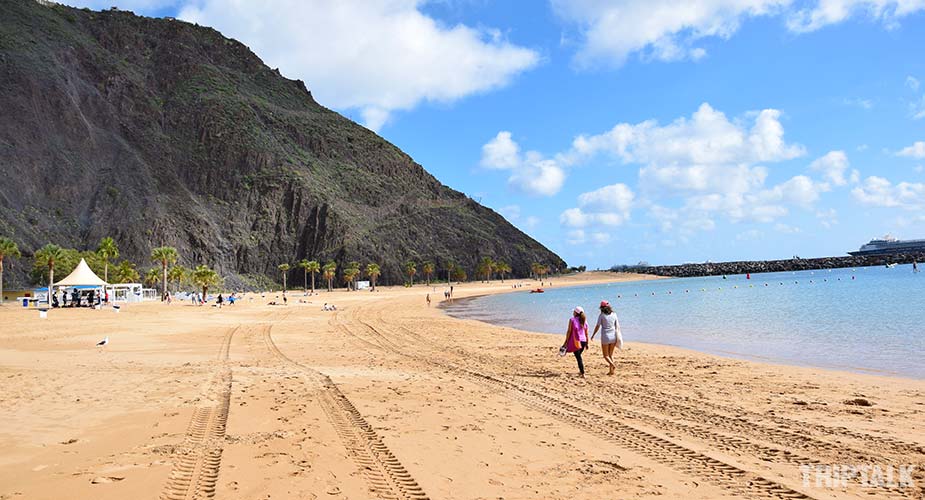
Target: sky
(622, 131)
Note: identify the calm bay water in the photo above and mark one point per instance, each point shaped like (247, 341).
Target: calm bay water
(865, 319)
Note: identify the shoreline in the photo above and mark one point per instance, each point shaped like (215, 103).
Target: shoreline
(721, 354)
(292, 399)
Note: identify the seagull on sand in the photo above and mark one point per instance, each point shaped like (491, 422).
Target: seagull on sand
(103, 342)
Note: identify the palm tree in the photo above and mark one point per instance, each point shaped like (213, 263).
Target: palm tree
(285, 270)
(351, 272)
(176, 275)
(126, 273)
(373, 271)
(502, 268)
(166, 256)
(329, 270)
(485, 268)
(8, 248)
(152, 276)
(450, 266)
(313, 267)
(411, 269)
(303, 264)
(535, 269)
(428, 269)
(46, 257)
(204, 277)
(459, 274)
(107, 250)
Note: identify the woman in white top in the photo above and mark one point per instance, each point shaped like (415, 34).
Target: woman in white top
(611, 337)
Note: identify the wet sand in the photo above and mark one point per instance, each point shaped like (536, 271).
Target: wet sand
(389, 398)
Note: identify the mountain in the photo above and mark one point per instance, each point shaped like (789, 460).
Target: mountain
(160, 132)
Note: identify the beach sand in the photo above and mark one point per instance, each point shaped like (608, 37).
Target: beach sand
(389, 398)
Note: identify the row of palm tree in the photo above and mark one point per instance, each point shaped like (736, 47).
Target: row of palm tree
(329, 271)
(487, 267)
(47, 257)
(539, 270)
(51, 256)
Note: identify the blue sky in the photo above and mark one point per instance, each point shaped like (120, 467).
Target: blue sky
(620, 131)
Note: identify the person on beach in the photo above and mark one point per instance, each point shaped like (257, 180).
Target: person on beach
(220, 300)
(611, 337)
(576, 338)
(428, 300)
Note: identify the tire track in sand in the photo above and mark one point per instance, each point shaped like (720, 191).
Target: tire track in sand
(386, 476)
(726, 476)
(670, 414)
(198, 459)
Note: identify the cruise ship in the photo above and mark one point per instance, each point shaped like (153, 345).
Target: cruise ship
(890, 245)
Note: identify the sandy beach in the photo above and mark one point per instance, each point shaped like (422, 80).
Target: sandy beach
(390, 398)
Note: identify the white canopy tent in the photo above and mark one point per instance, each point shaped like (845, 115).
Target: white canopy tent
(82, 275)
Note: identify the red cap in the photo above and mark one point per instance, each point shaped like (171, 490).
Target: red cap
(604, 303)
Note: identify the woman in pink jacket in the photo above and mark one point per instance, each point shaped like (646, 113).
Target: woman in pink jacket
(576, 338)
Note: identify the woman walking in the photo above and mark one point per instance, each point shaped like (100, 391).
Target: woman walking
(576, 338)
(611, 337)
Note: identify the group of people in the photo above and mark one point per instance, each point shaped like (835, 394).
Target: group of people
(77, 299)
(576, 337)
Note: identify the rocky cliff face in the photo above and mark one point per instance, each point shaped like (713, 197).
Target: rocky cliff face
(158, 132)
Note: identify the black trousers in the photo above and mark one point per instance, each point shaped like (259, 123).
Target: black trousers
(581, 364)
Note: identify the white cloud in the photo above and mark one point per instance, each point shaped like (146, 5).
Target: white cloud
(531, 222)
(710, 161)
(665, 30)
(827, 12)
(750, 235)
(827, 218)
(912, 82)
(697, 224)
(800, 190)
(600, 238)
(373, 56)
(832, 166)
(614, 198)
(576, 236)
(902, 221)
(916, 150)
(529, 172)
(786, 229)
(708, 137)
(610, 31)
(706, 153)
(859, 102)
(607, 206)
(917, 108)
(761, 205)
(538, 177)
(880, 192)
(580, 237)
(501, 152)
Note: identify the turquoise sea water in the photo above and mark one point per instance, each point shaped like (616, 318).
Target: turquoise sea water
(866, 319)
